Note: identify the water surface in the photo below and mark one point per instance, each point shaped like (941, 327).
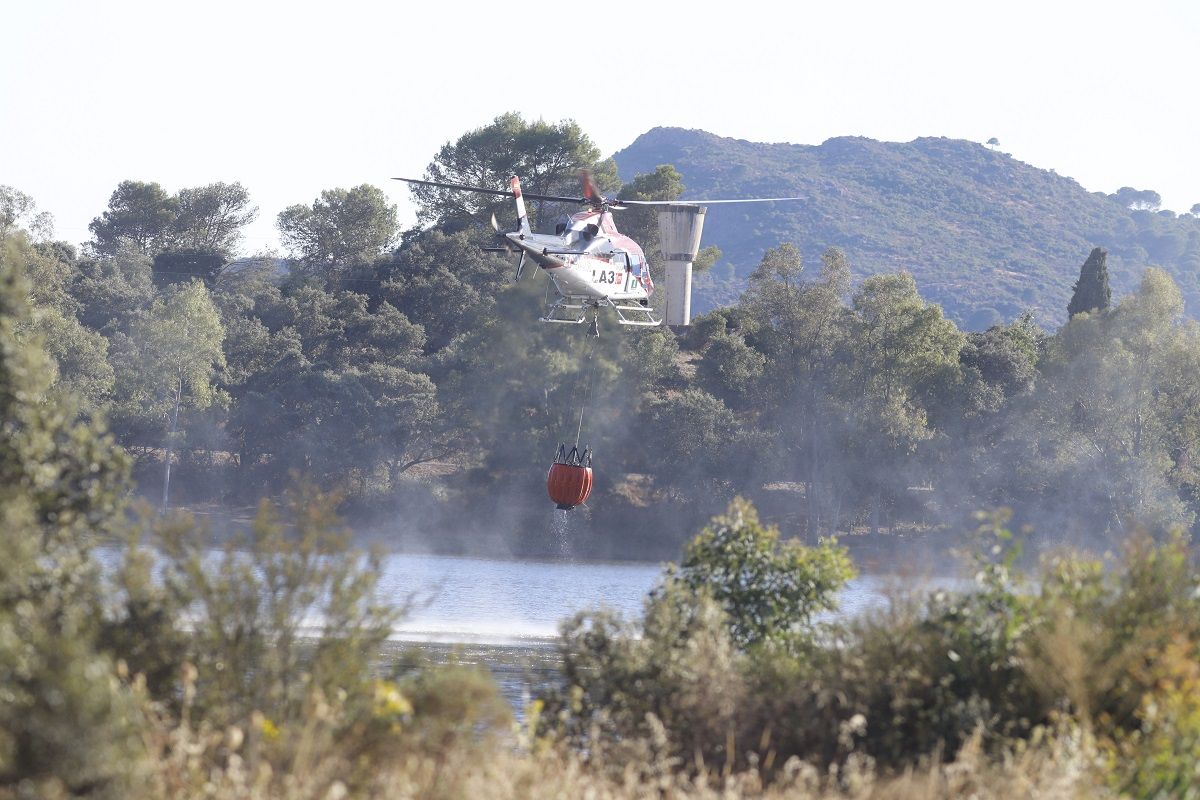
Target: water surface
(484, 600)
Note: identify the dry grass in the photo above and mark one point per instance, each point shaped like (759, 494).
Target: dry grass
(1063, 766)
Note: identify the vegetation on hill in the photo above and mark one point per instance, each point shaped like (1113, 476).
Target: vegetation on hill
(162, 669)
(257, 673)
(408, 373)
(985, 236)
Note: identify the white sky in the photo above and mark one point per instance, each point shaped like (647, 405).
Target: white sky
(292, 98)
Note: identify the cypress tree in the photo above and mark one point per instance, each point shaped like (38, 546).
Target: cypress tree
(1091, 290)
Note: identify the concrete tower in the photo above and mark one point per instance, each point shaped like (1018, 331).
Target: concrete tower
(679, 228)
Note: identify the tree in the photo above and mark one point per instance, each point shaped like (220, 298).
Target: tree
(901, 347)
(641, 223)
(18, 210)
(1195, 210)
(209, 218)
(113, 290)
(79, 357)
(1138, 199)
(1091, 291)
(342, 228)
(546, 156)
(654, 355)
(1005, 358)
(139, 214)
(802, 327)
(730, 368)
(405, 425)
(446, 284)
(67, 470)
(68, 724)
(770, 590)
(168, 363)
(1115, 415)
(993, 143)
(693, 434)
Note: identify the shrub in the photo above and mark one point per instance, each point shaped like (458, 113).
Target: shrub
(769, 589)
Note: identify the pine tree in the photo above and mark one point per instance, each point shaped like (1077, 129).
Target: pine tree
(1091, 290)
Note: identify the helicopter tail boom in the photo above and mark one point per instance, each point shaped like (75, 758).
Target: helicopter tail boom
(514, 183)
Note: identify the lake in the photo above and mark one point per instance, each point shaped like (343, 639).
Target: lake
(492, 601)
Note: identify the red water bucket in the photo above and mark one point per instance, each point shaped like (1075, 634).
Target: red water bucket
(569, 485)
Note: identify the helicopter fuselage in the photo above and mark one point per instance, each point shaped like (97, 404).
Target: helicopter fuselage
(588, 259)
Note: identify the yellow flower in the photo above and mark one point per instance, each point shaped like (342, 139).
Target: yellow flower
(270, 731)
(389, 702)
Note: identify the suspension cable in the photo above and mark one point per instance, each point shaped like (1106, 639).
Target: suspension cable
(587, 392)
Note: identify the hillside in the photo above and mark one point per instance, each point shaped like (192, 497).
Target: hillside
(985, 235)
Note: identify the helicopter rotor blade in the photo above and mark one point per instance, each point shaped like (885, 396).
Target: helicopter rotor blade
(708, 202)
(520, 267)
(497, 192)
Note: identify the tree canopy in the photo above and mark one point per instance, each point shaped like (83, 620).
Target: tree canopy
(342, 228)
(546, 156)
(1091, 291)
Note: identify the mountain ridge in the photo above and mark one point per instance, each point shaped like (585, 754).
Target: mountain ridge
(984, 234)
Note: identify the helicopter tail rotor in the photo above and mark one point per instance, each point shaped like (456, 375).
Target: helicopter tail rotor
(507, 248)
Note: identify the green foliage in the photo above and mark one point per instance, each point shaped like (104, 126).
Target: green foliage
(166, 366)
(1108, 651)
(685, 675)
(654, 357)
(770, 590)
(139, 215)
(864, 406)
(641, 223)
(693, 432)
(210, 218)
(173, 352)
(67, 723)
(18, 211)
(453, 706)
(547, 157)
(79, 357)
(731, 369)
(1159, 757)
(202, 219)
(112, 291)
(1004, 362)
(1091, 291)
(1138, 199)
(679, 677)
(65, 469)
(342, 228)
(1114, 414)
(446, 285)
(277, 614)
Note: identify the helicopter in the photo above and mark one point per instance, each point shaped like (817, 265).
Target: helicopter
(591, 264)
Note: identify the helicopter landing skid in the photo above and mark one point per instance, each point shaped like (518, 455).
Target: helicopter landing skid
(629, 315)
(573, 311)
(561, 312)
